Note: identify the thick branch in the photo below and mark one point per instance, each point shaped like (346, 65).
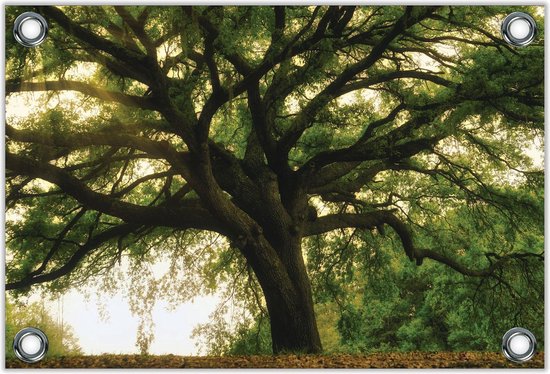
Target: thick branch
(133, 59)
(404, 74)
(366, 221)
(72, 141)
(85, 88)
(420, 254)
(178, 217)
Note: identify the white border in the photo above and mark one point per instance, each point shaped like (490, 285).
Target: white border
(545, 3)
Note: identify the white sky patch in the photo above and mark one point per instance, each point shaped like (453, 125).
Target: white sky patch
(23, 105)
(117, 333)
(114, 332)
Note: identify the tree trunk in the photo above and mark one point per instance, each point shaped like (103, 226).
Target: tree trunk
(293, 328)
(287, 291)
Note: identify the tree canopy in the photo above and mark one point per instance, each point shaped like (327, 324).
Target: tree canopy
(290, 152)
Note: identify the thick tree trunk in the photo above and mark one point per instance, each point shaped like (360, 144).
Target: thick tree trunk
(293, 327)
(287, 291)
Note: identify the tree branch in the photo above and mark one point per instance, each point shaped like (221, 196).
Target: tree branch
(137, 28)
(75, 259)
(169, 216)
(151, 147)
(410, 18)
(137, 61)
(16, 85)
(58, 241)
(403, 74)
(366, 221)
(375, 219)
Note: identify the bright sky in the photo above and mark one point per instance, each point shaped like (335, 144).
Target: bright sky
(117, 334)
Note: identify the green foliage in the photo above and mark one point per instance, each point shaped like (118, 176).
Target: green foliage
(61, 339)
(252, 341)
(389, 304)
(445, 312)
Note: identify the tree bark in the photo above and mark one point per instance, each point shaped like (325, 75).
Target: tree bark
(287, 291)
(293, 328)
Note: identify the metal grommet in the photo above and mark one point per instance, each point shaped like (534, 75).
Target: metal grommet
(519, 345)
(519, 29)
(30, 345)
(30, 29)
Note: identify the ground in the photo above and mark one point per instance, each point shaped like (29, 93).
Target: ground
(378, 360)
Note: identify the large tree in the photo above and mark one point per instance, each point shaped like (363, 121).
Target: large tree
(270, 126)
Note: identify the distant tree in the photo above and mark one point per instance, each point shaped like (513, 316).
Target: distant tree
(276, 128)
(61, 339)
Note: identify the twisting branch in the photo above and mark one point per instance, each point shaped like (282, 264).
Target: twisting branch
(75, 259)
(410, 18)
(369, 221)
(375, 219)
